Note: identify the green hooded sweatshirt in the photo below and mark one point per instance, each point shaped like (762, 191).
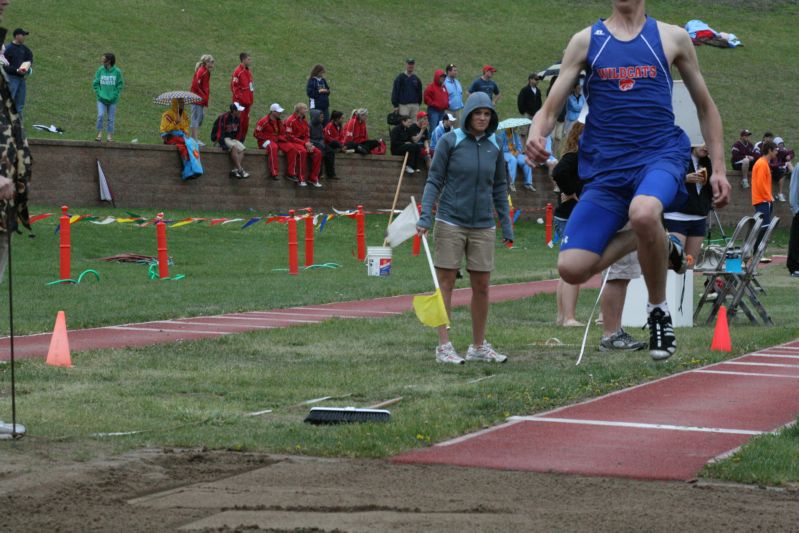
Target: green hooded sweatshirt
(108, 83)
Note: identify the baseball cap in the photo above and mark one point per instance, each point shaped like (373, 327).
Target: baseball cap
(276, 107)
(235, 106)
(486, 68)
(449, 116)
(745, 132)
(410, 60)
(20, 31)
(421, 114)
(778, 140)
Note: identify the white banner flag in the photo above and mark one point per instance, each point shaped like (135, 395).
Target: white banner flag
(105, 191)
(403, 227)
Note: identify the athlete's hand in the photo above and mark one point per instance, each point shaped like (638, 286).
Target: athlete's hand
(421, 231)
(535, 150)
(721, 189)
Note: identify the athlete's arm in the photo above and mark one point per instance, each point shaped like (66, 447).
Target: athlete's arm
(679, 43)
(544, 120)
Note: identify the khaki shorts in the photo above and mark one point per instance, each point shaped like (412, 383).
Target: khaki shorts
(453, 242)
(627, 267)
(233, 143)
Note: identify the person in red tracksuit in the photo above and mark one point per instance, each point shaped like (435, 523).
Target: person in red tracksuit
(355, 134)
(437, 98)
(242, 88)
(299, 134)
(271, 136)
(334, 142)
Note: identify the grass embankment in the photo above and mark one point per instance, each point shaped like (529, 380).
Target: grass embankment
(363, 45)
(197, 393)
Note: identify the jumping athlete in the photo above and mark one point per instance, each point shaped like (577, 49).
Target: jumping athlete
(632, 155)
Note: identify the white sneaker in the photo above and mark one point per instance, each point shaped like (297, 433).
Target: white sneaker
(486, 352)
(446, 353)
(409, 170)
(316, 184)
(302, 184)
(781, 197)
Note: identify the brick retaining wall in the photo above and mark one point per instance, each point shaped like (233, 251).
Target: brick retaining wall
(147, 176)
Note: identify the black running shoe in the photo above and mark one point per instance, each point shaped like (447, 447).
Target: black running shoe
(662, 342)
(678, 261)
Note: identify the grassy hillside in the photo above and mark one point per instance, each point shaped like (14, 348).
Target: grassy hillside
(363, 45)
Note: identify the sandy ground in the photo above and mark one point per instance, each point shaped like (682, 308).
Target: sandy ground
(198, 490)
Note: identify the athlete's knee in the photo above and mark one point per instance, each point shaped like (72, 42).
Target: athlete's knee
(573, 272)
(645, 212)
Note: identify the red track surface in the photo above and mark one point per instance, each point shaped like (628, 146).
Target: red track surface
(163, 331)
(665, 429)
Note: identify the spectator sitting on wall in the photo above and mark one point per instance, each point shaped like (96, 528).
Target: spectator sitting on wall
(298, 133)
(784, 165)
(175, 131)
(270, 132)
(743, 156)
(445, 126)
(333, 135)
(403, 142)
(422, 127)
(355, 134)
(227, 128)
(513, 152)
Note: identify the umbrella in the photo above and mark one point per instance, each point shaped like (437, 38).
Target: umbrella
(167, 97)
(553, 70)
(514, 123)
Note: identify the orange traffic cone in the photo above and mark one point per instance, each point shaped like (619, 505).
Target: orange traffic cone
(58, 354)
(721, 335)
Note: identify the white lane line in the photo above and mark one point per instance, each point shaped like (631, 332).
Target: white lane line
(757, 374)
(167, 330)
(278, 319)
(220, 324)
(277, 313)
(333, 309)
(469, 436)
(777, 355)
(745, 363)
(636, 425)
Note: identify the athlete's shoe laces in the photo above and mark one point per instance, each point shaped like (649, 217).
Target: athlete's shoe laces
(678, 261)
(446, 354)
(620, 341)
(662, 342)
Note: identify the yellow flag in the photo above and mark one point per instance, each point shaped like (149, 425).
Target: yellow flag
(430, 309)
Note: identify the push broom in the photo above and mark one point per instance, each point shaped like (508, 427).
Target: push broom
(346, 415)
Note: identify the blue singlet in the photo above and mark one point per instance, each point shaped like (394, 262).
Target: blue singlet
(630, 145)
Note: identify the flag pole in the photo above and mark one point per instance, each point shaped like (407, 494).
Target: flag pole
(426, 249)
(396, 196)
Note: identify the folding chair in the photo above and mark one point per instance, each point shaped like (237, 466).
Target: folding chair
(743, 238)
(744, 282)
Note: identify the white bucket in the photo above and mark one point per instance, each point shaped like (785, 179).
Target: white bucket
(378, 260)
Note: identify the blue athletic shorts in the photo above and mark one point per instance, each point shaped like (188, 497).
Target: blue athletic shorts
(604, 206)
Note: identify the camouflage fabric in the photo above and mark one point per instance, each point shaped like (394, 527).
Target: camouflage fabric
(15, 161)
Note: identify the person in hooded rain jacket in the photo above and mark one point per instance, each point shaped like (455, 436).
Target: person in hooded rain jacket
(469, 181)
(437, 98)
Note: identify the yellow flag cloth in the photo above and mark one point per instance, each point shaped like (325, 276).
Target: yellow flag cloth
(430, 309)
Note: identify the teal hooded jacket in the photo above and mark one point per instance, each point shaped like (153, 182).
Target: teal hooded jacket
(108, 83)
(468, 177)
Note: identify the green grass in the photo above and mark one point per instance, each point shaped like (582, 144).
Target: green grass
(363, 45)
(227, 269)
(766, 460)
(197, 393)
